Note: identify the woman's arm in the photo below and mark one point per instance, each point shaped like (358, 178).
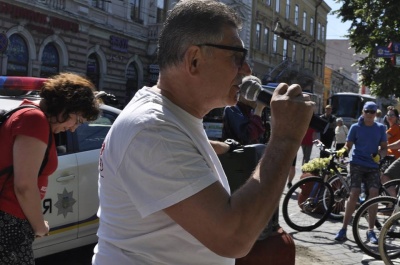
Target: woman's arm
(28, 153)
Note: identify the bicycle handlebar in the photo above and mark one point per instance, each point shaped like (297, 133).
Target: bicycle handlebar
(322, 147)
(384, 162)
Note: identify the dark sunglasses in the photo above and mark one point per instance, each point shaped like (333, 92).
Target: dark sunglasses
(370, 111)
(239, 60)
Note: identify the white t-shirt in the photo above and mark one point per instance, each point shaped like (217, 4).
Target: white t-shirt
(155, 155)
(341, 134)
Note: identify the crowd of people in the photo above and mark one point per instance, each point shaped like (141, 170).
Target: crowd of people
(164, 196)
(374, 136)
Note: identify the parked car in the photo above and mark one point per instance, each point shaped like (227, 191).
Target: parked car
(71, 202)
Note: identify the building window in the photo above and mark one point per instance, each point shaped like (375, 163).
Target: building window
(136, 8)
(312, 26)
(268, 2)
(93, 70)
(322, 67)
(132, 83)
(275, 44)
(18, 56)
(287, 11)
(303, 58)
(277, 6)
(323, 33)
(296, 15)
(100, 4)
(304, 21)
(257, 41)
(50, 61)
(161, 11)
(319, 31)
(284, 52)
(294, 52)
(266, 40)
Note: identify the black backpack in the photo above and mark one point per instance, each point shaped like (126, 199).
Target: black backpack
(4, 115)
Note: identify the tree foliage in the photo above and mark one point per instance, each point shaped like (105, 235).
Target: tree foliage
(373, 23)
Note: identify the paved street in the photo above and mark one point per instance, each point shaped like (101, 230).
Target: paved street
(321, 239)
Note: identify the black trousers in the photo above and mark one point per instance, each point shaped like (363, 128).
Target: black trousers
(16, 238)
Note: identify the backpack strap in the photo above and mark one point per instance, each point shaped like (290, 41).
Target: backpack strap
(7, 114)
(10, 169)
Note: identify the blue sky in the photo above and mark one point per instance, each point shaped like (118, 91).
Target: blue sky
(335, 29)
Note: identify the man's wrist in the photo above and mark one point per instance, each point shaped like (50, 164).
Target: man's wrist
(233, 145)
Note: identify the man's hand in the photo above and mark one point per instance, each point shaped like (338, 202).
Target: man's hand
(341, 152)
(376, 158)
(291, 112)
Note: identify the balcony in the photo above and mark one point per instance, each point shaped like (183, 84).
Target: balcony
(53, 4)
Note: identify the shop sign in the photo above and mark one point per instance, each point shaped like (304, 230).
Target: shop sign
(394, 47)
(118, 44)
(18, 12)
(396, 60)
(383, 52)
(154, 69)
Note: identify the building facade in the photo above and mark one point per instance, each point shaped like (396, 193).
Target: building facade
(336, 81)
(288, 43)
(342, 75)
(110, 42)
(114, 42)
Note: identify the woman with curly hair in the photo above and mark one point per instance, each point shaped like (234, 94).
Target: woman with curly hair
(393, 131)
(29, 150)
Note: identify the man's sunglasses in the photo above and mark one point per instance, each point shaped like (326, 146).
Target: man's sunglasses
(239, 60)
(370, 111)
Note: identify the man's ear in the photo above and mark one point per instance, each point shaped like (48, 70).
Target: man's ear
(192, 59)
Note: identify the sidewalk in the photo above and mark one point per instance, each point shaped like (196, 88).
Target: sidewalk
(321, 242)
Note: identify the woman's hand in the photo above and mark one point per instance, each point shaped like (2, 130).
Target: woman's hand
(43, 231)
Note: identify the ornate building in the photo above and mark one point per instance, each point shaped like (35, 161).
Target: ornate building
(111, 42)
(288, 43)
(114, 42)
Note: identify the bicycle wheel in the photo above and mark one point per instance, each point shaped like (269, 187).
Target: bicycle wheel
(340, 196)
(385, 206)
(389, 239)
(302, 206)
(392, 184)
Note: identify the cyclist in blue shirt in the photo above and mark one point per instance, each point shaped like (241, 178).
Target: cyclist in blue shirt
(370, 143)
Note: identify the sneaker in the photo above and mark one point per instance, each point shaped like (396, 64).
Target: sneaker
(341, 235)
(372, 237)
(289, 185)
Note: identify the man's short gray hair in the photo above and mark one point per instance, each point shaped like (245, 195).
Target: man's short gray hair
(193, 22)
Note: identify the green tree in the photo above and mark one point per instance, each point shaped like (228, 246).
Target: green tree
(373, 23)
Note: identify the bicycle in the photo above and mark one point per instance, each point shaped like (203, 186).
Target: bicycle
(310, 201)
(389, 238)
(387, 223)
(385, 207)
